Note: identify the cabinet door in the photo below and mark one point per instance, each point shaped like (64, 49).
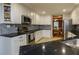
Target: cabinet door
(5, 46)
(23, 40)
(1, 13)
(17, 42)
(37, 35)
(15, 14)
(6, 13)
(15, 46)
(46, 33)
(37, 19)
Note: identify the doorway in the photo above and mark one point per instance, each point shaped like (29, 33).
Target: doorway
(57, 27)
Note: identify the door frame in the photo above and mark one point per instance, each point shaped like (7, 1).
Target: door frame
(52, 25)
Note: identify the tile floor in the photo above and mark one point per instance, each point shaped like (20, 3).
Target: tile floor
(42, 40)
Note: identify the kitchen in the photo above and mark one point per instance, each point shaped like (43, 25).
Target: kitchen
(25, 26)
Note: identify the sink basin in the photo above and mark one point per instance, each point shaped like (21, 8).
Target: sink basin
(72, 43)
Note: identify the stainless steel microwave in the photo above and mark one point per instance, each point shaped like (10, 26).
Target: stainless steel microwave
(25, 20)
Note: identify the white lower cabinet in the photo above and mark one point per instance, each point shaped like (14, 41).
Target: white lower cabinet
(5, 46)
(46, 33)
(17, 42)
(42, 33)
(11, 45)
(38, 35)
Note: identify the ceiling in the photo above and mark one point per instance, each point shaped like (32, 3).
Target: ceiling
(51, 8)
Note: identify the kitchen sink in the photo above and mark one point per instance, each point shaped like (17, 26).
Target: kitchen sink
(74, 43)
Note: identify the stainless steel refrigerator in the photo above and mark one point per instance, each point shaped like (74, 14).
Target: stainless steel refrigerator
(67, 26)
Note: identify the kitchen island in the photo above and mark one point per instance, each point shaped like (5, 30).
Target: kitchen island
(51, 48)
(48, 48)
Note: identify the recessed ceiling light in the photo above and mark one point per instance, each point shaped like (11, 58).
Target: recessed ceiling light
(43, 12)
(32, 13)
(64, 10)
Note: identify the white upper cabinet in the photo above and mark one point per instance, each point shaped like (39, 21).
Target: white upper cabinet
(32, 15)
(37, 19)
(45, 20)
(1, 13)
(16, 11)
(5, 13)
(75, 16)
(42, 19)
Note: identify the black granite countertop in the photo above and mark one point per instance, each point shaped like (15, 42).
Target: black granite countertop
(20, 33)
(75, 32)
(48, 48)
